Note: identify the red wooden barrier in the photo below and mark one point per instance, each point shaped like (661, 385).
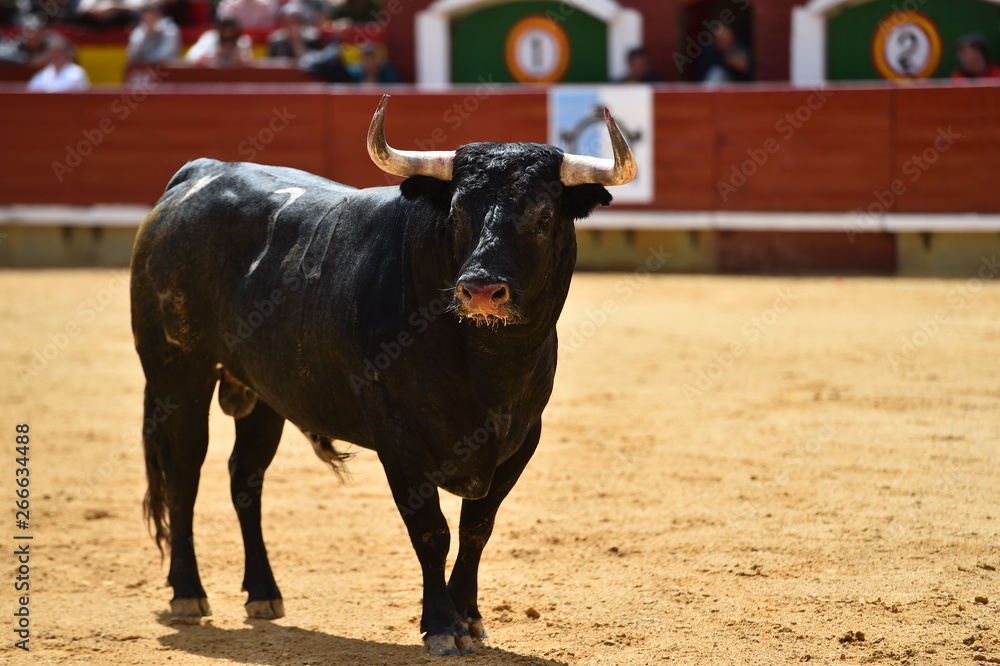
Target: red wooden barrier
(737, 150)
(685, 150)
(123, 148)
(947, 150)
(800, 150)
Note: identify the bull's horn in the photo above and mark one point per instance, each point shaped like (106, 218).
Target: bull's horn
(406, 163)
(581, 169)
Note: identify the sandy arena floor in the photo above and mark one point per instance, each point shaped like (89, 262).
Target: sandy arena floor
(733, 470)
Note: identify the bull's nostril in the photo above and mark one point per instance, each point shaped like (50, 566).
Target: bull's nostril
(463, 294)
(500, 295)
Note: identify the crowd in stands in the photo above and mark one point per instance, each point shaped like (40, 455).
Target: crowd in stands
(293, 30)
(304, 32)
(299, 31)
(252, 14)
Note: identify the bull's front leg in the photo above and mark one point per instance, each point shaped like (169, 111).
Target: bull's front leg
(475, 528)
(445, 633)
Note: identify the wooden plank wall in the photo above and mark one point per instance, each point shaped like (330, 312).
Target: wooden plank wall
(756, 149)
(947, 150)
(116, 148)
(799, 150)
(103, 147)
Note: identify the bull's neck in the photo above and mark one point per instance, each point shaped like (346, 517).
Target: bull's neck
(504, 362)
(507, 351)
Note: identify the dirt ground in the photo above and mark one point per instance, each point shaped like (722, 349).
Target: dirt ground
(732, 470)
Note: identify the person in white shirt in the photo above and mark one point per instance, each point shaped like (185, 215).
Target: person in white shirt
(61, 74)
(156, 39)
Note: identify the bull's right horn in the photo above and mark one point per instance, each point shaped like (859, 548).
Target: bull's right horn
(406, 163)
(581, 169)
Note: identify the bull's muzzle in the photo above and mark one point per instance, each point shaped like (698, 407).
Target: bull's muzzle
(480, 297)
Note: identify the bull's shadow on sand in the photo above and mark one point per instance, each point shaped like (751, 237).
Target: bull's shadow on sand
(263, 642)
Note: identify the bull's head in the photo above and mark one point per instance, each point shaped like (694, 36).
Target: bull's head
(511, 208)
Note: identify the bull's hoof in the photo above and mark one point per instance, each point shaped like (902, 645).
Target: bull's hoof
(269, 609)
(464, 645)
(476, 628)
(446, 645)
(190, 609)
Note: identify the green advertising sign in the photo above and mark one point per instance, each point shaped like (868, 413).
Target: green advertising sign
(905, 39)
(529, 41)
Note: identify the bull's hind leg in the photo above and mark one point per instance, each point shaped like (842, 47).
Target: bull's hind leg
(176, 435)
(257, 437)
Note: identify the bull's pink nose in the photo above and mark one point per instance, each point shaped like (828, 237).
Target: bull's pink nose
(483, 298)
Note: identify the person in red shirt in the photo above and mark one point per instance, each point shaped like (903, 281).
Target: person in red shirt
(974, 60)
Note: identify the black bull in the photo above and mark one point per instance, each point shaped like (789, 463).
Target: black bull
(416, 321)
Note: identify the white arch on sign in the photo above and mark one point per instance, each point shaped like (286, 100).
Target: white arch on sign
(433, 34)
(809, 37)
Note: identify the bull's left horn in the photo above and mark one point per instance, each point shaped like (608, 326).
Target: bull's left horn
(406, 163)
(581, 169)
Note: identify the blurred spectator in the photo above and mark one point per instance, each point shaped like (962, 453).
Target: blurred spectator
(974, 59)
(374, 67)
(251, 14)
(356, 11)
(61, 74)
(726, 59)
(225, 45)
(156, 39)
(298, 36)
(30, 46)
(640, 68)
(327, 64)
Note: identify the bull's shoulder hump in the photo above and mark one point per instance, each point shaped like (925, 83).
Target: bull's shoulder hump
(249, 178)
(265, 176)
(194, 170)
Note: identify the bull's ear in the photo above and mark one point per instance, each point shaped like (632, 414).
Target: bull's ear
(581, 200)
(438, 192)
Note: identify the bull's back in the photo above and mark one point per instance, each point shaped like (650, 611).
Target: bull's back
(234, 203)
(194, 250)
(257, 268)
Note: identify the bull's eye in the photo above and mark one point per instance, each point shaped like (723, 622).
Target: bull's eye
(542, 223)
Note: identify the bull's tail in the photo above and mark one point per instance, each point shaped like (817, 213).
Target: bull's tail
(328, 453)
(154, 505)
